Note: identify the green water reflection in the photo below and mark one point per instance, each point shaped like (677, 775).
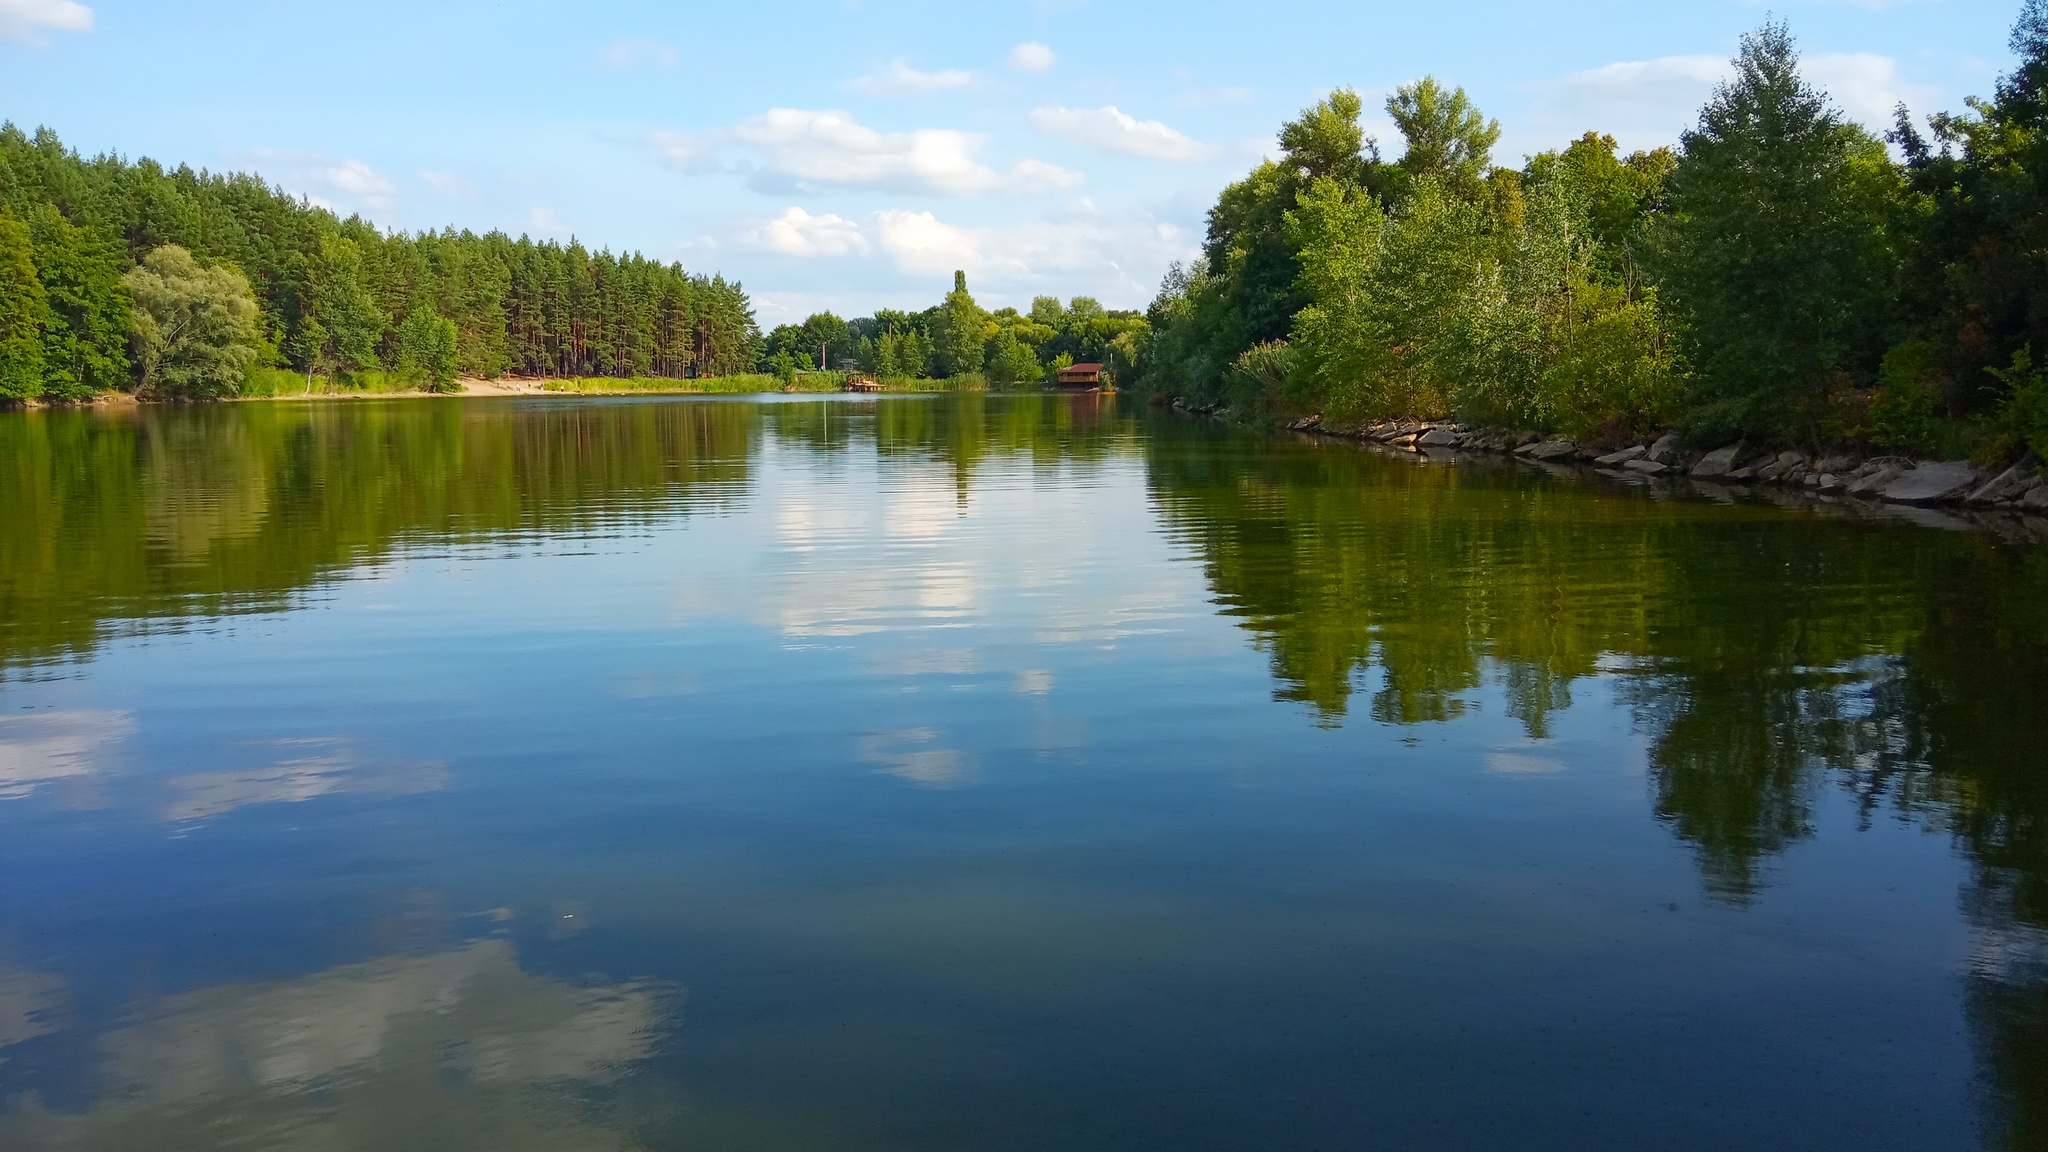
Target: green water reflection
(1769, 655)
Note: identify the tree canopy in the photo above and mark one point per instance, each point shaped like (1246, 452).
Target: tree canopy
(1777, 275)
(332, 294)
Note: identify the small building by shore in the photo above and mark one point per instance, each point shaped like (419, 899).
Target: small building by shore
(1080, 378)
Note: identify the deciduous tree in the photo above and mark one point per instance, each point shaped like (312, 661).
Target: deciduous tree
(196, 331)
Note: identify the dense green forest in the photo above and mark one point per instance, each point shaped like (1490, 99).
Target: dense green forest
(1779, 274)
(958, 339)
(118, 274)
(122, 275)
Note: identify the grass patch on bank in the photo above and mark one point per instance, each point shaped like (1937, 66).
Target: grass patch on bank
(707, 385)
(270, 382)
(752, 382)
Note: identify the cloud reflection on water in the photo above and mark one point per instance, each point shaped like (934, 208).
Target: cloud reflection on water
(330, 767)
(44, 748)
(454, 1049)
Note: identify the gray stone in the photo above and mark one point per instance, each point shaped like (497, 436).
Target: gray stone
(1827, 482)
(1665, 450)
(2008, 483)
(1718, 463)
(1622, 457)
(1866, 483)
(1931, 483)
(1740, 476)
(1781, 467)
(1552, 450)
(2036, 498)
(1646, 467)
(1836, 464)
(1439, 438)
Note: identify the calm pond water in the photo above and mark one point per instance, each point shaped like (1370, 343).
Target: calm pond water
(982, 773)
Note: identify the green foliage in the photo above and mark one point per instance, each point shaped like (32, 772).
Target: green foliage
(1266, 367)
(22, 313)
(1621, 198)
(83, 342)
(1444, 306)
(1448, 140)
(1978, 223)
(196, 330)
(960, 331)
(427, 352)
(1901, 409)
(1753, 283)
(1011, 362)
(339, 323)
(1774, 317)
(1326, 143)
(822, 334)
(2025, 412)
(331, 291)
(1612, 372)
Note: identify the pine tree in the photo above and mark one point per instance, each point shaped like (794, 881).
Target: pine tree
(22, 313)
(1773, 255)
(961, 333)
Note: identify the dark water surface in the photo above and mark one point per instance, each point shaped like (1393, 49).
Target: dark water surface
(979, 773)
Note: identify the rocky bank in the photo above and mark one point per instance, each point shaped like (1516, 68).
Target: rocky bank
(2019, 491)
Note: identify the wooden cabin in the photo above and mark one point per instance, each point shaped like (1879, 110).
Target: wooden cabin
(1080, 378)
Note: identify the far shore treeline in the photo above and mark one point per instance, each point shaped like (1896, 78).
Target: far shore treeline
(960, 341)
(1780, 274)
(120, 275)
(125, 275)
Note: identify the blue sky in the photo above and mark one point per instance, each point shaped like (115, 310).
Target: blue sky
(849, 154)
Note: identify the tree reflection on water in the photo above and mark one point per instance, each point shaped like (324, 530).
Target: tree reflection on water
(1766, 654)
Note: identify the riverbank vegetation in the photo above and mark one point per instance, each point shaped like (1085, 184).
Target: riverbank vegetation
(1896, 302)
(959, 341)
(118, 274)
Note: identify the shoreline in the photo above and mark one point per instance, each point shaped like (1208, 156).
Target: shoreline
(2011, 501)
(470, 388)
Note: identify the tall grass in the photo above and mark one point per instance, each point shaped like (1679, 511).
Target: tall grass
(285, 382)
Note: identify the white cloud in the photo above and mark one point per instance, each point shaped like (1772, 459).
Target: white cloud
(900, 79)
(1210, 97)
(922, 245)
(798, 233)
(798, 146)
(1646, 103)
(1109, 129)
(1866, 86)
(340, 186)
(24, 21)
(627, 55)
(1032, 56)
(546, 223)
(358, 180)
(1642, 103)
(1116, 255)
(449, 184)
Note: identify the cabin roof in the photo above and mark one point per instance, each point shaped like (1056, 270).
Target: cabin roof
(1081, 368)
